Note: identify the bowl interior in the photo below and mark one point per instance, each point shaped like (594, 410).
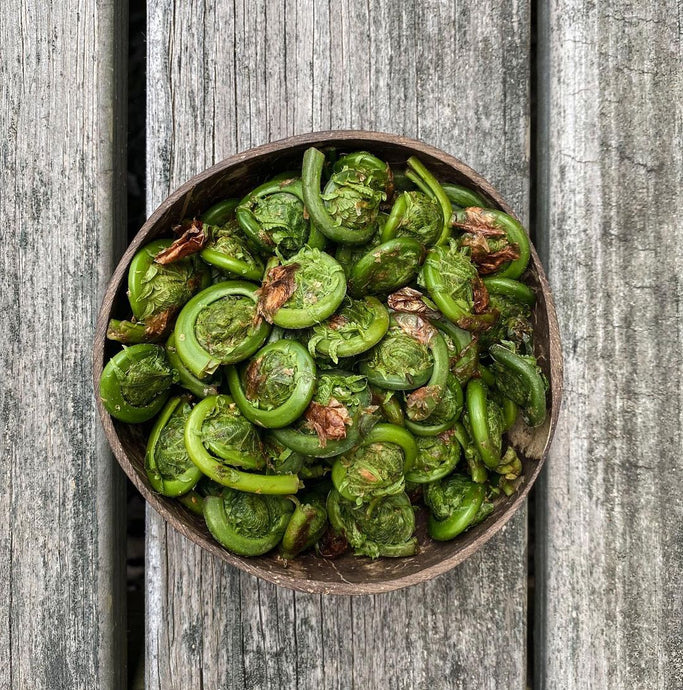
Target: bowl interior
(348, 574)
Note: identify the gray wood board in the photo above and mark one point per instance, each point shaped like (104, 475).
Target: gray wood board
(62, 70)
(610, 559)
(226, 76)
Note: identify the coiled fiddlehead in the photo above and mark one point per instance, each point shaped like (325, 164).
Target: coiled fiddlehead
(346, 211)
(274, 218)
(445, 414)
(454, 284)
(499, 244)
(303, 290)
(276, 387)
(245, 523)
(385, 268)
(415, 215)
(403, 359)
(336, 419)
(159, 291)
(383, 527)
(437, 457)
(519, 379)
(354, 329)
(376, 467)
(307, 524)
(456, 504)
(219, 326)
(169, 468)
(199, 387)
(136, 383)
(218, 439)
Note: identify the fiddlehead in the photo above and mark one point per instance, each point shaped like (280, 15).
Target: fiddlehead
(245, 523)
(437, 457)
(519, 378)
(415, 215)
(456, 504)
(454, 284)
(219, 326)
(385, 268)
(219, 439)
(346, 211)
(274, 219)
(336, 419)
(169, 468)
(383, 527)
(376, 467)
(136, 383)
(354, 329)
(303, 290)
(275, 388)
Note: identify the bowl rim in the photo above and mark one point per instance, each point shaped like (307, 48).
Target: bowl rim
(158, 502)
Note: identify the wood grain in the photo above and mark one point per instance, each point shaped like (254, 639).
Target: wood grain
(224, 77)
(62, 622)
(610, 565)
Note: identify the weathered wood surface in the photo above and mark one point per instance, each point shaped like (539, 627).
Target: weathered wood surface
(62, 621)
(224, 77)
(610, 562)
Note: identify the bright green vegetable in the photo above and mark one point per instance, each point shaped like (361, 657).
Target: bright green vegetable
(376, 467)
(519, 379)
(483, 224)
(276, 386)
(385, 268)
(437, 457)
(335, 421)
(218, 439)
(247, 524)
(304, 290)
(415, 215)
(274, 219)
(346, 211)
(454, 284)
(455, 504)
(155, 289)
(354, 329)
(307, 524)
(219, 326)
(169, 468)
(383, 527)
(136, 383)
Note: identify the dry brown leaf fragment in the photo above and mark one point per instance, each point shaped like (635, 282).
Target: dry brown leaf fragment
(416, 327)
(410, 301)
(479, 226)
(193, 238)
(447, 436)
(337, 321)
(480, 296)
(479, 221)
(494, 260)
(328, 421)
(279, 285)
(160, 325)
(253, 379)
(332, 545)
(421, 401)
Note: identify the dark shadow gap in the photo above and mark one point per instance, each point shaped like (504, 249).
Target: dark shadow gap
(136, 142)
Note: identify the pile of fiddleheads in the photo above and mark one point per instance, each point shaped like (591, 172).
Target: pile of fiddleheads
(330, 354)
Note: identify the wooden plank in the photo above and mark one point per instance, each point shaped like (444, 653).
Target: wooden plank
(62, 524)
(224, 77)
(611, 564)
